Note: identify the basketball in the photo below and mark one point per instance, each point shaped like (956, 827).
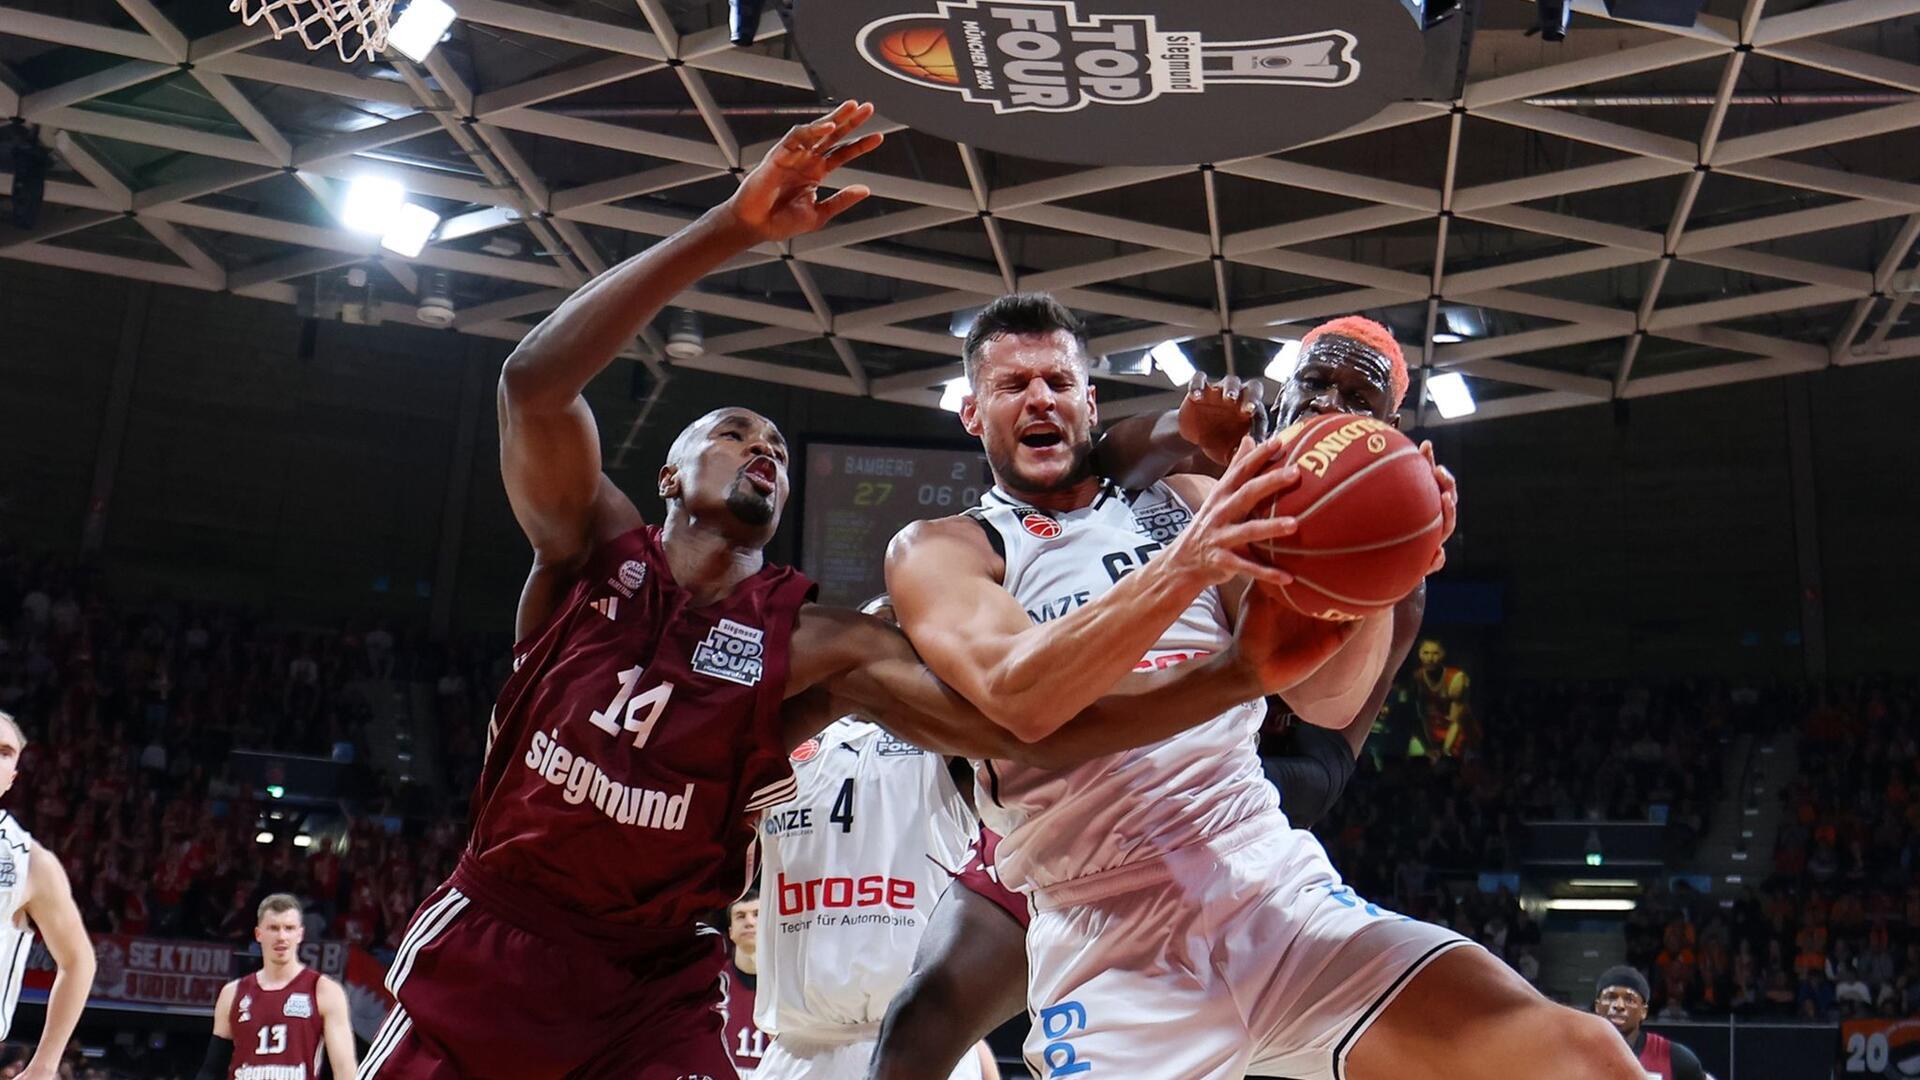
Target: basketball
(922, 52)
(1369, 513)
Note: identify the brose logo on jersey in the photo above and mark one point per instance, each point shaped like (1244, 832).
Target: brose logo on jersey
(732, 651)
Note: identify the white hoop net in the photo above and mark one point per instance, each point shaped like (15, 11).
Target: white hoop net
(355, 27)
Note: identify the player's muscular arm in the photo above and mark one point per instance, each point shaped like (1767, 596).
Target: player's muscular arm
(1030, 679)
(50, 905)
(337, 1029)
(848, 663)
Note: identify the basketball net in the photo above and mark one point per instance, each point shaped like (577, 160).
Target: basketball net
(355, 27)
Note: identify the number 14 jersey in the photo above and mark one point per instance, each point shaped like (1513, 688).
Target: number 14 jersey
(632, 745)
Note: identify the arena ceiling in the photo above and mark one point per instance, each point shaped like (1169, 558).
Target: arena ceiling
(1635, 211)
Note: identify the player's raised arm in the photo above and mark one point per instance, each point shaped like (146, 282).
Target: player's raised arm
(549, 448)
(1028, 678)
(50, 905)
(337, 1028)
(848, 663)
(1199, 436)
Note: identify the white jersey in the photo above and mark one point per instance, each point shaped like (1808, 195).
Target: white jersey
(1057, 825)
(851, 869)
(16, 934)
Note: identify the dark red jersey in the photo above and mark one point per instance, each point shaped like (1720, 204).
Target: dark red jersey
(1657, 1057)
(746, 1043)
(980, 876)
(277, 1034)
(632, 744)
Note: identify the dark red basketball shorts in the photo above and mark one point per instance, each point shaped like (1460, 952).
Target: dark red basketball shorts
(482, 998)
(979, 876)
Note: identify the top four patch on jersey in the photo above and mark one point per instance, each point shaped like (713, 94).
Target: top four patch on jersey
(1041, 525)
(298, 1006)
(732, 652)
(1162, 523)
(890, 746)
(629, 578)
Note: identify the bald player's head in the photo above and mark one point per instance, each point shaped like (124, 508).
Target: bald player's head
(728, 468)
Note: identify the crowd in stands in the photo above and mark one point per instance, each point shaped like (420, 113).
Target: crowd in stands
(131, 713)
(1418, 830)
(1834, 930)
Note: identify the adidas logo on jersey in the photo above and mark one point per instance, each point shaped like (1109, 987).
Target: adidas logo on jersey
(608, 606)
(732, 652)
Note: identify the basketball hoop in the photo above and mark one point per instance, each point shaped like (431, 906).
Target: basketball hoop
(355, 27)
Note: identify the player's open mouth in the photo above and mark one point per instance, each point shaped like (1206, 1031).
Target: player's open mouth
(1041, 438)
(763, 474)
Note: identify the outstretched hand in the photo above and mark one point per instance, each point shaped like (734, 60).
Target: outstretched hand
(1215, 416)
(1233, 518)
(780, 199)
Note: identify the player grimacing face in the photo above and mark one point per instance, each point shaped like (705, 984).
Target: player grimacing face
(280, 934)
(731, 461)
(1337, 374)
(1032, 408)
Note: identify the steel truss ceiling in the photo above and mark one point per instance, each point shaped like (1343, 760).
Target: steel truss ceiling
(1730, 201)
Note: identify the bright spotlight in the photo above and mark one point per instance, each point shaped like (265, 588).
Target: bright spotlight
(952, 393)
(1284, 361)
(1448, 392)
(263, 838)
(1447, 337)
(373, 204)
(420, 28)
(1172, 361)
(412, 227)
(303, 840)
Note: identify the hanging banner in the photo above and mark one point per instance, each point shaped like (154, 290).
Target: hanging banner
(1126, 82)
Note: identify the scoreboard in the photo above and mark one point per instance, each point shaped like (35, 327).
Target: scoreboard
(854, 498)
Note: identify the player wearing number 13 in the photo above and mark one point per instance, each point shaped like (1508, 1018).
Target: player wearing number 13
(661, 675)
(276, 1023)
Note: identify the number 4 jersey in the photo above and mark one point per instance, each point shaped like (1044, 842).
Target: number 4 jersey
(855, 862)
(277, 1034)
(632, 747)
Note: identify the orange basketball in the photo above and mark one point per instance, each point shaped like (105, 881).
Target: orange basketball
(922, 52)
(1369, 513)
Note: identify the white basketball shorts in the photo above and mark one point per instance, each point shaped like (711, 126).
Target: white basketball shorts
(792, 1058)
(1242, 953)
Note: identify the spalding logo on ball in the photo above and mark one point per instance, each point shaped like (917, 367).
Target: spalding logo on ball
(1369, 513)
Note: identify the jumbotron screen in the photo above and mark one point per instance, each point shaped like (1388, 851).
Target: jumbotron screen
(857, 497)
